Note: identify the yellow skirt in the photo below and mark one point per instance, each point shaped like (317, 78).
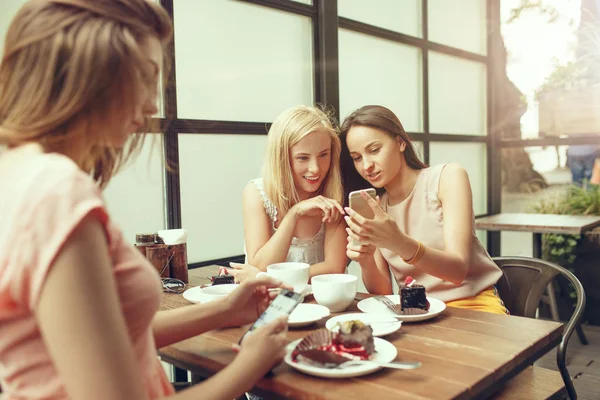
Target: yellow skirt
(488, 301)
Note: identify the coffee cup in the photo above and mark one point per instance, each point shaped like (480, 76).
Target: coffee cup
(334, 291)
(295, 274)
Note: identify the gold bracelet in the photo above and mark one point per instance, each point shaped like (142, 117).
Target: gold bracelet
(417, 256)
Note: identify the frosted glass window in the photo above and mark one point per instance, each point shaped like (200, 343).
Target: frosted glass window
(240, 62)
(400, 16)
(135, 197)
(482, 236)
(457, 95)
(473, 157)
(379, 71)
(9, 10)
(460, 24)
(419, 149)
(516, 244)
(214, 170)
(309, 2)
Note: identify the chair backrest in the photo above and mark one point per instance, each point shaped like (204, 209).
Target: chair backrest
(521, 288)
(523, 283)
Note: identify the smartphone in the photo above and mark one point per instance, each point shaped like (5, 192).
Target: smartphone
(360, 205)
(285, 302)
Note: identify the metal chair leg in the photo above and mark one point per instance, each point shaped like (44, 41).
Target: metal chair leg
(552, 301)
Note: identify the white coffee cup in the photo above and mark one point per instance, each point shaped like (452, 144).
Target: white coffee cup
(334, 291)
(295, 274)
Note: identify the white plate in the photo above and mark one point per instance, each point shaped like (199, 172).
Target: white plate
(306, 314)
(374, 306)
(381, 325)
(384, 352)
(205, 294)
(304, 290)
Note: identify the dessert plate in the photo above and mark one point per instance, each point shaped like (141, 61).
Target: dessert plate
(373, 306)
(200, 294)
(384, 352)
(381, 325)
(306, 314)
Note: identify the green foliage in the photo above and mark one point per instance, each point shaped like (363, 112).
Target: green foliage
(562, 249)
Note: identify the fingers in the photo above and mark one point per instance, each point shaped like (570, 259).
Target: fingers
(237, 266)
(355, 225)
(276, 326)
(374, 204)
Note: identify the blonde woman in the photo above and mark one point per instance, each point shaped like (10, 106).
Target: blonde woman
(293, 213)
(78, 304)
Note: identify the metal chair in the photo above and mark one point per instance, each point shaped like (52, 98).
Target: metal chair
(521, 288)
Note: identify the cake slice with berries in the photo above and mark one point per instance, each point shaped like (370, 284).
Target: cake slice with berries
(413, 300)
(223, 278)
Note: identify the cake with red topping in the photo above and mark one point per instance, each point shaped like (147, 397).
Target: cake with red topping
(223, 278)
(356, 337)
(413, 299)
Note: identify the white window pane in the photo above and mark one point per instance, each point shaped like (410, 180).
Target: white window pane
(211, 190)
(240, 62)
(459, 24)
(8, 10)
(419, 149)
(135, 196)
(473, 158)
(400, 16)
(482, 236)
(457, 95)
(309, 2)
(516, 244)
(379, 71)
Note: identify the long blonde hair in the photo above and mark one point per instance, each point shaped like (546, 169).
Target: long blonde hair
(69, 66)
(288, 129)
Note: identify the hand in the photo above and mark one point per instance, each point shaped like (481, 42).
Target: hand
(381, 231)
(358, 252)
(265, 347)
(246, 303)
(330, 209)
(243, 272)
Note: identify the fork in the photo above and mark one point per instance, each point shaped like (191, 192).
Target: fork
(389, 304)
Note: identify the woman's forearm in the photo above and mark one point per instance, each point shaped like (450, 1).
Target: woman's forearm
(374, 279)
(172, 326)
(439, 263)
(327, 267)
(278, 246)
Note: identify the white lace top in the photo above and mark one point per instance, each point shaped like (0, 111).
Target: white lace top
(311, 251)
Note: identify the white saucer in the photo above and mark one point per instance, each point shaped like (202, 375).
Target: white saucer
(209, 293)
(381, 325)
(384, 352)
(374, 306)
(306, 314)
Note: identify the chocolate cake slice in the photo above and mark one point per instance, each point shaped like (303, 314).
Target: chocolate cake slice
(222, 279)
(354, 334)
(413, 300)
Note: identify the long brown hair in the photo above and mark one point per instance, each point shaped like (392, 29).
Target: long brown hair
(69, 66)
(378, 117)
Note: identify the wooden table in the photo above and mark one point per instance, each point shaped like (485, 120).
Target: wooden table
(465, 354)
(539, 224)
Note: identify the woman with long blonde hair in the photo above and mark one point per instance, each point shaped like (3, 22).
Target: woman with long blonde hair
(293, 213)
(78, 304)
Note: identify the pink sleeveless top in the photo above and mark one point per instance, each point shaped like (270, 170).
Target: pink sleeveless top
(421, 217)
(45, 197)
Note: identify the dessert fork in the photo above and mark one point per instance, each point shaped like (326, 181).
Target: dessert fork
(395, 308)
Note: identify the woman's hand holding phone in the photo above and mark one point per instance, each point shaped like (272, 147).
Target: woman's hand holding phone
(380, 231)
(330, 209)
(264, 347)
(358, 252)
(245, 304)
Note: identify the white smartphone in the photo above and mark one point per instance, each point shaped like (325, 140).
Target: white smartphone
(360, 205)
(283, 304)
